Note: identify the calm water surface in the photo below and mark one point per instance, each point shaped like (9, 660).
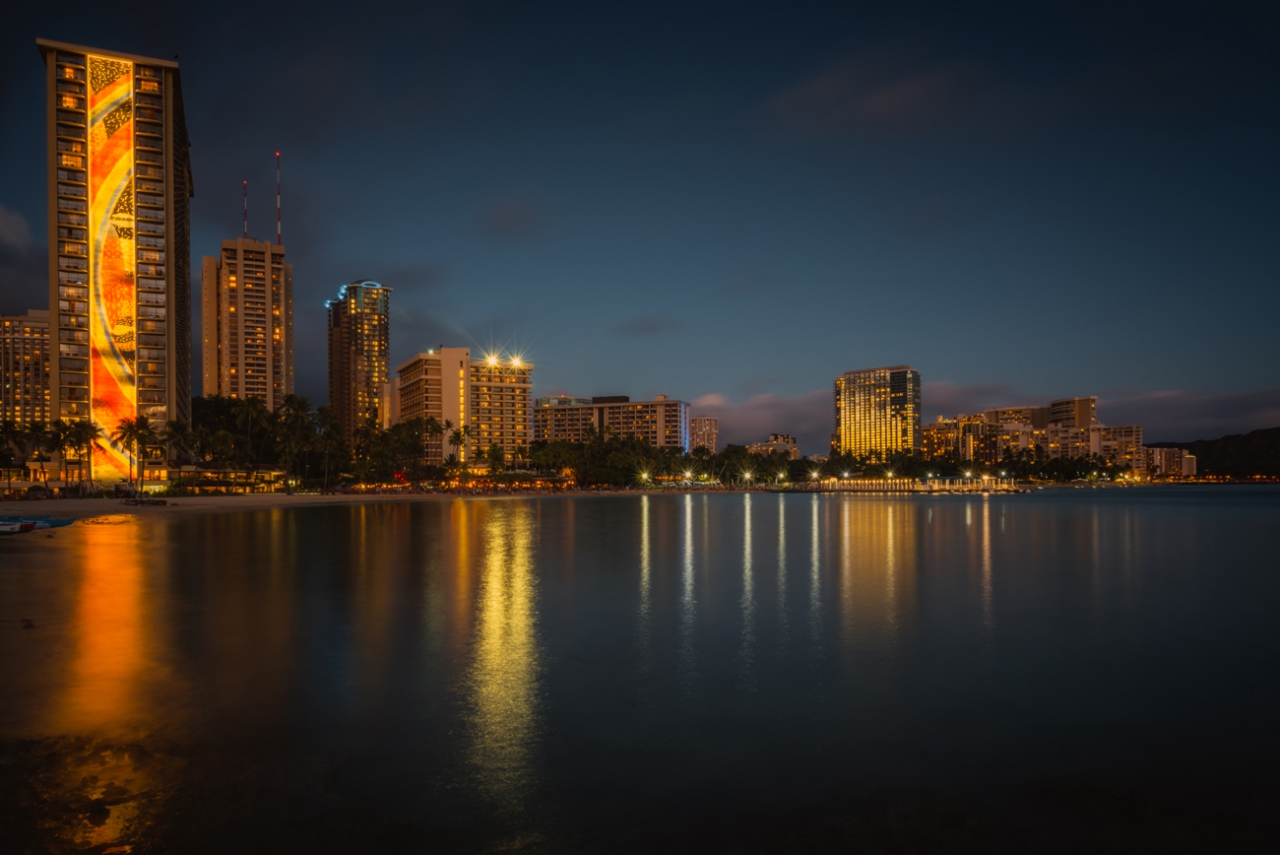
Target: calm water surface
(1067, 671)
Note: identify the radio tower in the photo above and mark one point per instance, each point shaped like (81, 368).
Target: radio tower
(246, 209)
(278, 199)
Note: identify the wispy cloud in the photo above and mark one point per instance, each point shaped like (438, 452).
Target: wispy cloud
(652, 324)
(515, 219)
(807, 417)
(1182, 416)
(24, 266)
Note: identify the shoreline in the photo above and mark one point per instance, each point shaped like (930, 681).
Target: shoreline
(185, 505)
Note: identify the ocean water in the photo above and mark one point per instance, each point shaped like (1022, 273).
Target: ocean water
(1073, 670)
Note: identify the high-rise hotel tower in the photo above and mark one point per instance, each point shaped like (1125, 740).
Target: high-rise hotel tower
(119, 243)
(246, 296)
(359, 352)
(877, 411)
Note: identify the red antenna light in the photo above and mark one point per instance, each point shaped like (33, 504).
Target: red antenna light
(278, 199)
(246, 209)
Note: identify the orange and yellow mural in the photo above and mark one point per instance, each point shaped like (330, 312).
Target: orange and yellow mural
(113, 388)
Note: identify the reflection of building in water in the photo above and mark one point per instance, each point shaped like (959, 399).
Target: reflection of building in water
(505, 668)
(102, 692)
(878, 566)
(114, 790)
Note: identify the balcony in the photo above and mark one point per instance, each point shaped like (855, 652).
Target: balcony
(150, 270)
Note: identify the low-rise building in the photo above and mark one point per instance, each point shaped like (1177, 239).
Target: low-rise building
(662, 422)
(778, 443)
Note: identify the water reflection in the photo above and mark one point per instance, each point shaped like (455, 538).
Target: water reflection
(646, 584)
(746, 652)
(986, 563)
(878, 569)
(688, 605)
(507, 659)
(815, 576)
(782, 570)
(105, 787)
(102, 694)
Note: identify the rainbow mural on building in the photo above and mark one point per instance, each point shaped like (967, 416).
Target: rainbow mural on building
(112, 290)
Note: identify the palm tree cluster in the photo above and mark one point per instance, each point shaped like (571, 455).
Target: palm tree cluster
(38, 441)
(605, 460)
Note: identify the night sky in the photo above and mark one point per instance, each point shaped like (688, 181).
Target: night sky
(733, 204)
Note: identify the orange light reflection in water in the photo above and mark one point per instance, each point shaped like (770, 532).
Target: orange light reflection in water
(104, 792)
(101, 695)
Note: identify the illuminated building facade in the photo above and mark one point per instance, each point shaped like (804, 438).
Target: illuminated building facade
(877, 411)
(1121, 445)
(359, 352)
(24, 367)
(490, 396)
(119, 181)
(662, 422)
(704, 431)
(962, 438)
(1079, 413)
(778, 443)
(1170, 463)
(247, 301)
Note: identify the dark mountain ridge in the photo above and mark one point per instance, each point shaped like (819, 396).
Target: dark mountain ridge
(1238, 455)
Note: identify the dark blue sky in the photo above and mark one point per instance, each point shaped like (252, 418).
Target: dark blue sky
(736, 203)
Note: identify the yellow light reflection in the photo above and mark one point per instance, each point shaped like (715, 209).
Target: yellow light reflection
(110, 648)
(507, 659)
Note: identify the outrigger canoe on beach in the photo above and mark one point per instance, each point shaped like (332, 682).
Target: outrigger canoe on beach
(17, 525)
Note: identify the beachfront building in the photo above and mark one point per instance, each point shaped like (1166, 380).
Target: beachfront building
(247, 322)
(24, 367)
(662, 422)
(119, 181)
(778, 443)
(877, 411)
(489, 396)
(359, 352)
(704, 432)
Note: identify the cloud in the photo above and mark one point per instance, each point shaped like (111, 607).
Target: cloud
(515, 219)
(892, 93)
(14, 232)
(1183, 416)
(653, 324)
(24, 266)
(942, 398)
(807, 417)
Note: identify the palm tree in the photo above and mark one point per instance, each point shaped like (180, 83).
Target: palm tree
(59, 440)
(251, 412)
(83, 434)
(329, 434)
(36, 437)
(127, 436)
(296, 420)
(446, 435)
(11, 437)
(176, 436)
(147, 436)
(432, 429)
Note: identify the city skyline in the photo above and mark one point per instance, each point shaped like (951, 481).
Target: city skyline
(509, 259)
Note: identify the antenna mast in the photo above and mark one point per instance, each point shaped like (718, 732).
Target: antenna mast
(246, 210)
(278, 199)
